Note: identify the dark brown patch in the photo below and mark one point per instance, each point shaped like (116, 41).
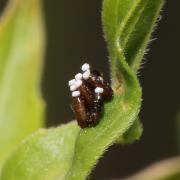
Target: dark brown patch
(89, 105)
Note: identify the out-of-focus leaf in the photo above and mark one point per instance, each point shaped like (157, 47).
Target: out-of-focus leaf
(168, 169)
(21, 53)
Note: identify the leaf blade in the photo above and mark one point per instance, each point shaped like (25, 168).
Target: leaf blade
(135, 47)
(21, 108)
(41, 155)
(136, 25)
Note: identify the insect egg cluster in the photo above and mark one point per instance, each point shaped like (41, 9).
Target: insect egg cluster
(89, 92)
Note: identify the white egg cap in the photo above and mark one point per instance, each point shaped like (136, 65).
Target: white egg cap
(78, 76)
(85, 67)
(86, 74)
(99, 90)
(71, 82)
(75, 93)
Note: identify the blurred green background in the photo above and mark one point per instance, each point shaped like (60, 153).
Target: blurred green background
(74, 36)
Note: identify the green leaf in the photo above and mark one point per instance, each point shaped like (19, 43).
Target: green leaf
(130, 25)
(133, 133)
(45, 155)
(120, 115)
(21, 53)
